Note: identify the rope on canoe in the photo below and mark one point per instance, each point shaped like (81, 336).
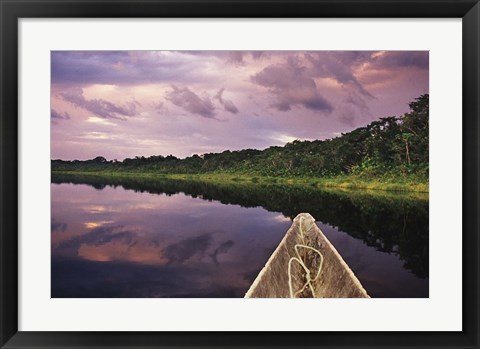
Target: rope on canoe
(301, 262)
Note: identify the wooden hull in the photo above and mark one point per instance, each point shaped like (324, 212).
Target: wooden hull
(305, 264)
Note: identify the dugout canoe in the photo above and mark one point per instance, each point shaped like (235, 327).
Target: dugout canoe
(305, 264)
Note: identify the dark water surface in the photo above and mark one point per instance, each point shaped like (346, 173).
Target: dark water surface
(114, 237)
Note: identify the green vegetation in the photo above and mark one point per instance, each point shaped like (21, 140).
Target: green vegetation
(390, 154)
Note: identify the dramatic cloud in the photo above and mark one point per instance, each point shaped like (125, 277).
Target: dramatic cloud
(338, 65)
(229, 57)
(351, 108)
(292, 86)
(239, 57)
(235, 57)
(120, 67)
(88, 66)
(189, 101)
(55, 115)
(394, 59)
(263, 98)
(100, 107)
(227, 104)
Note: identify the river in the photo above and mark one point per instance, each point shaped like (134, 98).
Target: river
(116, 237)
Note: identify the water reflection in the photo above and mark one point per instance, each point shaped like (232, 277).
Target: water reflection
(163, 238)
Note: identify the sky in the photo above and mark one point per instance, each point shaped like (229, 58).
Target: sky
(121, 104)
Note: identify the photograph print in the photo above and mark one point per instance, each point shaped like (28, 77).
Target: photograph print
(232, 174)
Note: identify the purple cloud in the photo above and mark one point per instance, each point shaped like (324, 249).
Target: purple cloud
(292, 86)
(333, 85)
(55, 115)
(339, 65)
(352, 107)
(230, 57)
(100, 107)
(186, 99)
(394, 59)
(235, 57)
(118, 67)
(227, 104)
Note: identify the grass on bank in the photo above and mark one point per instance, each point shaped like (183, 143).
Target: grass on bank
(343, 182)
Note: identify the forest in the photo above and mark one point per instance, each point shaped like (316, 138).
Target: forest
(392, 148)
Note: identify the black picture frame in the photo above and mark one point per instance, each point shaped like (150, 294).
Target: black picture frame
(11, 11)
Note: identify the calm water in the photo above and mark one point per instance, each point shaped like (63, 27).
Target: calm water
(164, 238)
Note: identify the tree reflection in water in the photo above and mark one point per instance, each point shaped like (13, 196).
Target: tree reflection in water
(395, 223)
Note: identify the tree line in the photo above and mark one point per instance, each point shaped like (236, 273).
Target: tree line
(390, 146)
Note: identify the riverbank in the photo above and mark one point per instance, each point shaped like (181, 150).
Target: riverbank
(342, 182)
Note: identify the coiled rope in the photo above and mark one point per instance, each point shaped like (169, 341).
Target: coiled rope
(301, 262)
